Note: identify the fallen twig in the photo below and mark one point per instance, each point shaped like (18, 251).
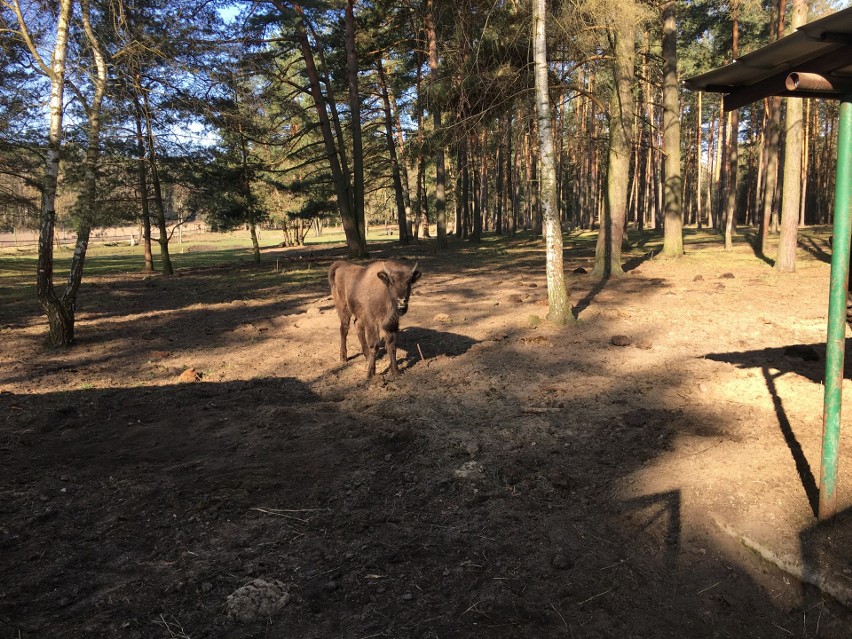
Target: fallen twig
(600, 594)
(560, 616)
(168, 626)
(280, 514)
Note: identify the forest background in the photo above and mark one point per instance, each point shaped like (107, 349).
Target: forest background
(291, 116)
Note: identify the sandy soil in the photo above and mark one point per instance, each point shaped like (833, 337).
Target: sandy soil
(517, 480)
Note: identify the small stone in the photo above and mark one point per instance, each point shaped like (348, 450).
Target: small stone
(407, 596)
(442, 318)
(206, 586)
(258, 599)
(469, 470)
(644, 344)
(698, 278)
(561, 561)
(727, 276)
(472, 448)
(620, 340)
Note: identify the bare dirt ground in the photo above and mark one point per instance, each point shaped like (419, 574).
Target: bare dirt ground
(517, 480)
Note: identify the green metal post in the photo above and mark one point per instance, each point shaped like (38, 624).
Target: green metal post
(835, 346)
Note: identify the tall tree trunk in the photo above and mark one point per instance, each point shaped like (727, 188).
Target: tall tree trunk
(672, 205)
(60, 323)
(355, 119)
(481, 220)
(462, 190)
(159, 207)
(90, 186)
(422, 202)
(608, 250)
(440, 169)
(355, 240)
(792, 184)
(770, 169)
(733, 147)
(402, 161)
(511, 181)
(251, 208)
(422, 197)
(698, 134)
(769, 218)
(255, 242)
(500, 187)
(559, 306)
(142, 173)
(479, 197)
(534, 186)
(731, 181)
(402, 218)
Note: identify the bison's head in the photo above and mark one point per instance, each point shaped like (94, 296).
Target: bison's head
(399, 278)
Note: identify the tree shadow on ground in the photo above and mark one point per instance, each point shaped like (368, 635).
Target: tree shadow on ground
(589, 297)
(416, 346)
(426, 343)
(429, 507)
(752, 238)
(638, 260)
(806, 360)
(816, 248)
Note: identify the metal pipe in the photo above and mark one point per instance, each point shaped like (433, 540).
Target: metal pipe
(836, 339)
(797, 81)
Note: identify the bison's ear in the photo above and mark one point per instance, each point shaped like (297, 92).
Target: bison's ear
(415, 276)
(383, 275)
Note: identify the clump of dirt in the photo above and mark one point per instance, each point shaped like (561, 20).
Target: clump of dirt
(518, 479)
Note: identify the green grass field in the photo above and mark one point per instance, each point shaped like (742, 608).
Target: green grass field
(18, 265)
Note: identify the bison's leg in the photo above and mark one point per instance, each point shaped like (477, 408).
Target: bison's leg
(345, 318)
(371, 349)
(362, 337)
(390, 347)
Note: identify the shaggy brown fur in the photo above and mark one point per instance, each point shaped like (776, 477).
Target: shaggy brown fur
(376, 296)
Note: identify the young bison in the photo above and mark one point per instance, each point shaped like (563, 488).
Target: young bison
(376, 295)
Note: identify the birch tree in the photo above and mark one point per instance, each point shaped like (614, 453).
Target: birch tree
(673, 183)
(60, 314)
(559, 307)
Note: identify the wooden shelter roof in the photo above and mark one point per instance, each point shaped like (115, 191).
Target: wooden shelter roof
(815, 61)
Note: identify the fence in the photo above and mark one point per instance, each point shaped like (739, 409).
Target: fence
(64, 237)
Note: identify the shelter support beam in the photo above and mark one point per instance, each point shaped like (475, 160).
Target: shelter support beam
(836, 338)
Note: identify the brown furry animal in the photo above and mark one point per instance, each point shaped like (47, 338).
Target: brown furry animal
(376, 296)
